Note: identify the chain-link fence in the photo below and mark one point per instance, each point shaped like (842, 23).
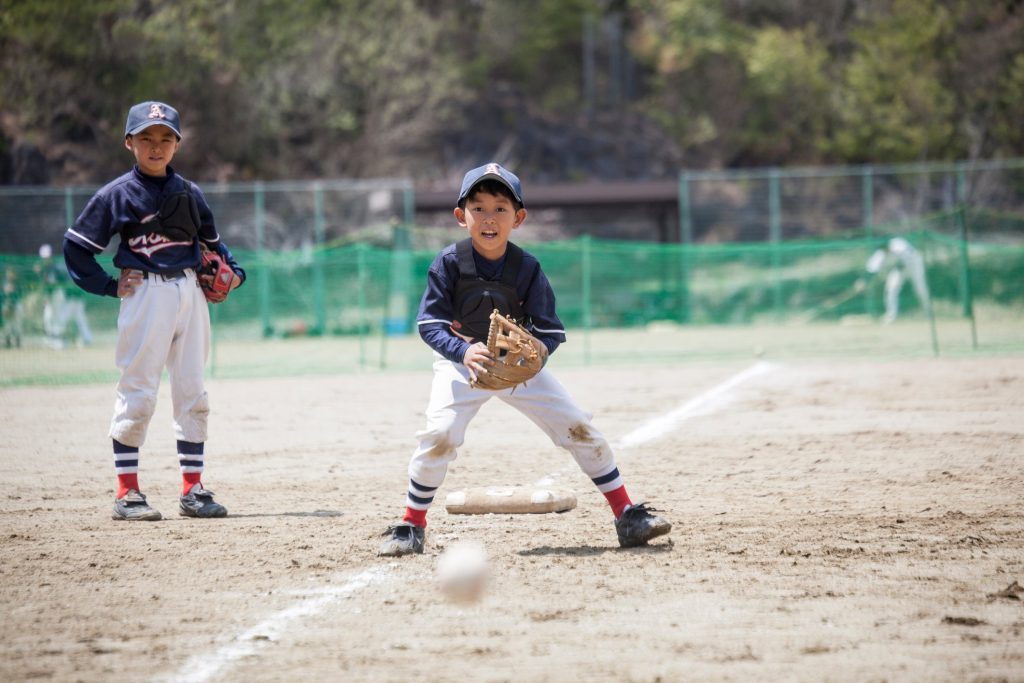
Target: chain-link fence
(336, 271)
(783, 204)
(252, 216)
(365, 298)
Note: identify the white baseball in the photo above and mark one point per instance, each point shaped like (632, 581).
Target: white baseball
(462, 571)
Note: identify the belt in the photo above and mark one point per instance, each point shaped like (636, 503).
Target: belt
(166, 277)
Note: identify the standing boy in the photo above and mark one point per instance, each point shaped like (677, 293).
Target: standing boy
(163, 222)
(466, 282)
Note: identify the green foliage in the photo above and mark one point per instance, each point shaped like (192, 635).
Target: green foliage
(692, 49)
(1008, 105)
(893, 104)
(270, 89)
(788, 86)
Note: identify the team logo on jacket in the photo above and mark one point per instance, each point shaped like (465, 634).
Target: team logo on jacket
(151, 243)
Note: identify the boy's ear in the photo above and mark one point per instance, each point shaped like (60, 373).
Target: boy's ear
(520, 217)
(460, 216)
(128, 142)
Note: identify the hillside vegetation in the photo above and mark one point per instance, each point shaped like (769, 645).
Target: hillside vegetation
(563, 90)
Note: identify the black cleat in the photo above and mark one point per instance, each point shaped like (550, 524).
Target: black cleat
(637, 525)
(404, 539)
(199, 502)
(133, 507)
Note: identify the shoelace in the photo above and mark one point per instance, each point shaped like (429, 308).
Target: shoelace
(642, 509)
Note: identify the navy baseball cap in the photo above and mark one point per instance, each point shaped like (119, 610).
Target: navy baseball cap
(492, 172)
(146, 114)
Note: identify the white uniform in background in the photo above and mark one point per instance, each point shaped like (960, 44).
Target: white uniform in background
(60, 308)
(903, 262)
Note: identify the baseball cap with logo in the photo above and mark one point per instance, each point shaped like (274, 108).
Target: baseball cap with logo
(146, 114)
(492, 171)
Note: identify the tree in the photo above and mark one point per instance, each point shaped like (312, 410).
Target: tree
(893, 103)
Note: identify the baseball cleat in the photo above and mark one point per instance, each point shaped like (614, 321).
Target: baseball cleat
(198, 502)
(637, 525)
(133, 507)
(404, 539)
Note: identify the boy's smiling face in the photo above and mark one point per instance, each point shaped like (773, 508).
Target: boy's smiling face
(153, 148)
(490, 220)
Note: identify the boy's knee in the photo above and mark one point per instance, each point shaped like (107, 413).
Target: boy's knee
(139, 408)
(199, 410)
(579, 434)
(193, 419)
(436, 443)
(131, 422)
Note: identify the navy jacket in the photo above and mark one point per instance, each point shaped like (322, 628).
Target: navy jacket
(119, 209)
(436, 311)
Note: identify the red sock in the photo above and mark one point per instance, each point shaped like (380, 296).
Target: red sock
(618, 499)
(190, 479)
(126, 482)
(417, 517)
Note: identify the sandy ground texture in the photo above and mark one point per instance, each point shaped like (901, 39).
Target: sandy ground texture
(843, 521)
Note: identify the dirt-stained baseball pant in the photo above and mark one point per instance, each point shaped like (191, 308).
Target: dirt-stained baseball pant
(166, 322)
(453, 403)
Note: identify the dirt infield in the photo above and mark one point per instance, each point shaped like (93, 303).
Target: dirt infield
(845, 521)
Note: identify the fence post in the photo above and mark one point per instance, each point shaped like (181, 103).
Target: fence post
(399, 277)
(926, 304)
(264, 269)
(361, 301)
(868, 216)
(319, 298)
(586, 274)
(775, 235)
(867, 192)
(396, 313)
(961, 183)
(966, 295)
(685, 240)
(69, 208)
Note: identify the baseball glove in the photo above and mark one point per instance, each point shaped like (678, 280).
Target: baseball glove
(518, 355)
(215, 276)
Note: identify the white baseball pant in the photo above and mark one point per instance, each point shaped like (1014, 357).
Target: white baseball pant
(164, 323)
(453, 403)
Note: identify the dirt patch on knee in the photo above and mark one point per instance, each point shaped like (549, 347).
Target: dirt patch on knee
(579, 433)
(439, 449)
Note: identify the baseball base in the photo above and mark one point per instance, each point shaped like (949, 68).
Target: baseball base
(509, 500)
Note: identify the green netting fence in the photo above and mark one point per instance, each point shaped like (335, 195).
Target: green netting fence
(351, 308)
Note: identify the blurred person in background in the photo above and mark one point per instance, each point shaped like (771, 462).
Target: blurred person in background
(12, 310)
(900, 262)
(64, 302)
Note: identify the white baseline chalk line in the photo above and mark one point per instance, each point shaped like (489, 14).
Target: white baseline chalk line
(703, 404)
(205, 667)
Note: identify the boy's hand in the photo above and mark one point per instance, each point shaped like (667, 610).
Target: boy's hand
(216, 278)
(517, 355)
(476, 360)
(129, 281)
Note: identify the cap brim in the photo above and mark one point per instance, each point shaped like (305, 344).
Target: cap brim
(149, 124)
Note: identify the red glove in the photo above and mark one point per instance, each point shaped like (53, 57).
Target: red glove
(215, 276)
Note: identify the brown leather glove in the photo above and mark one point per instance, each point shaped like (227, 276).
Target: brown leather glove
(518, 355)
